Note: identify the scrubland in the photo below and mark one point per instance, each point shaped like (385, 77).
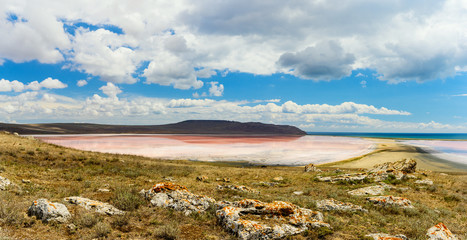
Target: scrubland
(55, 172)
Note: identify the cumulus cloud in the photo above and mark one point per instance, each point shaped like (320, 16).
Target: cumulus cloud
(105, 54)
(216, 89)
(172, 71)
(16, 86)
(324, 61)
(81, 83)
(110, 90)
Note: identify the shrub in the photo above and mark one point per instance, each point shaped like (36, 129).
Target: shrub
(102, 230)
(127, 199)
(87, 220)
(169, 231)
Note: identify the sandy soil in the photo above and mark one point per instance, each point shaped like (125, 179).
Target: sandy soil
(389, 150)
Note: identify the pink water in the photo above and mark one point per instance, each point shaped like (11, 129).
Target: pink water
(255, 149)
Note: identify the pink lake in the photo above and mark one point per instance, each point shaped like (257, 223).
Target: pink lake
(268, 150)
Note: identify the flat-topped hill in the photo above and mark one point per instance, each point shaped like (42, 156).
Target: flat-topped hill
(185, 127)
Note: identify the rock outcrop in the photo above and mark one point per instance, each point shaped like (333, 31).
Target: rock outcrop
(49, 211)
(239, 188)
(387, 201)
(4, 182)
(177, 197)
(334, 205)
(252, 219)
(100, 207)
(384, 236)
(407, 165)
(310, 168)
(371, 190)
(440, 232)
(424, 182)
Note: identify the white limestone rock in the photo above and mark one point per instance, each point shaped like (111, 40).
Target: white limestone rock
(49, 211)
(99, 207)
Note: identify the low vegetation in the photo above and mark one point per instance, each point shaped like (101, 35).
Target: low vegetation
(54, 172)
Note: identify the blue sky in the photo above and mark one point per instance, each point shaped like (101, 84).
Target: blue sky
(364, 66)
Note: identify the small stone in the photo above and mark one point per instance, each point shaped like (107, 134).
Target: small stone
(16, 134)
(278, 179)
(310, 168)
(384, 236)
(49, 211)
(202, 178)
(4, 182)
(25, 181)
(99, 207)
(223, 179)
(443, 174)
(103, 190)
(71, 228)
(386, 201)
(371, 190)
(334, 205)
(424, 182)
(170, 179)
(440, 232)
(298, 193)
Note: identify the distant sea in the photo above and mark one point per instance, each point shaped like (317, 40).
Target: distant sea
(418, 136)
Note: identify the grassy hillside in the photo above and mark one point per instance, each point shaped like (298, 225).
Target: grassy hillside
(55, 172)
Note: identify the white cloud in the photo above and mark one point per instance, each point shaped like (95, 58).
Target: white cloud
(52, 83)
(49, 83)
(8, 86)
(460, 95)
(110, 90)
(363, 83)
(324, 61)
(216, 89)
(105, 54)
(81, 83)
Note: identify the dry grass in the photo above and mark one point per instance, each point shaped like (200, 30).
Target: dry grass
(56, 172)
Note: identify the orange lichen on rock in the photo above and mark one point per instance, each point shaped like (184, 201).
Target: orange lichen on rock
(167, 186)
(252, 219)
(440, 231)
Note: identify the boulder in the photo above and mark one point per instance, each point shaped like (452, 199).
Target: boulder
(298, 192)
(49, 211)
(310, 168)
(100, 207)
(239, 188)
(371, 190)
(334, 205)
(177, 197)
(440, 232)
(103, 190)
(252, 219)
(387, 201)
(424, 182)
(407, 165)
(4, 182)
(384, 236)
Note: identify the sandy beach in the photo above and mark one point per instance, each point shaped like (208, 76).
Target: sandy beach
(389, 150)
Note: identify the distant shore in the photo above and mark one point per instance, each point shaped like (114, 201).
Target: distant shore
(389, 150)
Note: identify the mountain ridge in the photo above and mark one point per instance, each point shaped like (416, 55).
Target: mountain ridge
(184, 127)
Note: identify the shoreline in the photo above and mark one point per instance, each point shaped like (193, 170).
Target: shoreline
(390, 150)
